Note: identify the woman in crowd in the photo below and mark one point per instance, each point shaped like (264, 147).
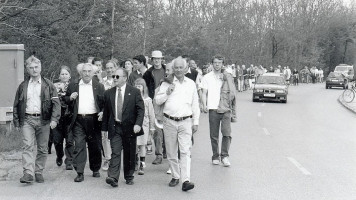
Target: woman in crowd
(61, 132)
(128, 66)
(148, 125)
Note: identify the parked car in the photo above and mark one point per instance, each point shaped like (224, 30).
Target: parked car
(336, 79)
(270, 87)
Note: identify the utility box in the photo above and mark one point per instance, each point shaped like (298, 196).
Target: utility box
(12, 74)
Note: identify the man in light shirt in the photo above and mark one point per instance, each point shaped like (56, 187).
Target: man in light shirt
(86, 101)
(181, 112)
(36, 109)
(211, 86)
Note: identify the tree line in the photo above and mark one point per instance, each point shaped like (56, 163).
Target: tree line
(296, 33)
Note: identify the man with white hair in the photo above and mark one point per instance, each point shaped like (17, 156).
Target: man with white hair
(86, 101)
(181, 112)
(36, 109)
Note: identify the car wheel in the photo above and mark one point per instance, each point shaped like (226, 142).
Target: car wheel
(254, 100)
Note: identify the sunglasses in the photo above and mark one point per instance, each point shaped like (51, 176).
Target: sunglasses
(115, 76)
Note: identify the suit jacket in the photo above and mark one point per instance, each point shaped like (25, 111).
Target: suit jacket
(192, 75)
(133, 110)
(98, 92)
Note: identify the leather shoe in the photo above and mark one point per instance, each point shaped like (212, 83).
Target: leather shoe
(187, 186)
(129, 182)
(39, 178)
(79, 178)
(27, 178)
(69, 167)
(59, 161)
(111, 181)
(173, 182)
(96, 174)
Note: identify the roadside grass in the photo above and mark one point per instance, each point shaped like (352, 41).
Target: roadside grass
(10, 140)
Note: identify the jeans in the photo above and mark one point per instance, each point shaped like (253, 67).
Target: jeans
(158, 139)
(178, 135)
(215, 119)
(33, 130)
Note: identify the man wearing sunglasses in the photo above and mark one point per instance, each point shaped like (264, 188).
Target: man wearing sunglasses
(122, 119)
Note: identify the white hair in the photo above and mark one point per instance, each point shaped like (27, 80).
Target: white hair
(32, 59)
(180, 59)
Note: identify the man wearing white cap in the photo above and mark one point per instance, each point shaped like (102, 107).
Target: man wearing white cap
(153, 78)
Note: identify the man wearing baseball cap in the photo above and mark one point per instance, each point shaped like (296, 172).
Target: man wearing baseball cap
(153, 78)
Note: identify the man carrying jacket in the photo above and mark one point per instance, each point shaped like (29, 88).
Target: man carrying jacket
(36, 109)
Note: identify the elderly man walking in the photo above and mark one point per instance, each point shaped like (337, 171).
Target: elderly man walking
(86, 100)
(36, 109)
(211, 85)
(181, 112)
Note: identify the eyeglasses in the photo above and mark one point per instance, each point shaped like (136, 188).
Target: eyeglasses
(115, 76)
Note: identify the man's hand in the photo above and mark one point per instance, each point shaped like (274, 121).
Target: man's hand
(137, 129)
(53, 124)
(100, 116)
(205, 108)
(194, 128)
(73, 96)
(170, 89)
(103, 132)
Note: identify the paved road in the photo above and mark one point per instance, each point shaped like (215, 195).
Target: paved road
(305, 149)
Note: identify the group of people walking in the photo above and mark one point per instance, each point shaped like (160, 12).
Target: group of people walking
(122, 109)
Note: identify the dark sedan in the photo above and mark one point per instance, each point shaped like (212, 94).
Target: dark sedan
(336, 79)
(270, 87)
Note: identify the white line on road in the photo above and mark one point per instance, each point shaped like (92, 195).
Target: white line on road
(266, 131)
(299, 166)
(259, 114)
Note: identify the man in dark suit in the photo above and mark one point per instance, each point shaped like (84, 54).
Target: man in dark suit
(123, 117)
(86, 101)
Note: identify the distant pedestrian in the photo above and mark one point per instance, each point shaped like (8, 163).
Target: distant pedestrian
(36, 109)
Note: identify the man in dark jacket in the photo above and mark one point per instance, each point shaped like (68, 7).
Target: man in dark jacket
(36, 109)
(86, 101)
(153, 78)
(123, 117)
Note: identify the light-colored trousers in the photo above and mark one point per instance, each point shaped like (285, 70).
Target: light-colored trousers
(33, 130)
(178, 134)
(106, 146)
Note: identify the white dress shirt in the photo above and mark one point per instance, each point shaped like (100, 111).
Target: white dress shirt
(86, 98)
(123, 88)
(212, 84)
(182, 102)
(33, 101)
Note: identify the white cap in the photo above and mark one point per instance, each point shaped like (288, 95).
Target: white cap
(156, 54)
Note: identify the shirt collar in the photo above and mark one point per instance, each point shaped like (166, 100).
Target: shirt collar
(189, 71)
(39, 80)
(176, 80)
(81, 82)
(122, 87)
(138, 72)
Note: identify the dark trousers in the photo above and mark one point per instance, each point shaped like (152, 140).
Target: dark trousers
(118, 143)
(87, 130)
(215, 119)
(59, 134)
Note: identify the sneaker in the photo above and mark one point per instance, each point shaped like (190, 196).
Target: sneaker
(27, 178)
(106, 165)
(149, 150)
(169, 171)
(143, 164)
(216, 162)
(141, 171)
(39, 178)
(225, 161)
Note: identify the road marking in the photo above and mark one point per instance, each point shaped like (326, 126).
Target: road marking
(299, 166)
(266, 131)
(263, 104)
(259, 114)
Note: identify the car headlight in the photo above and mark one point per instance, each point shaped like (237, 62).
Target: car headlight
(280, 91)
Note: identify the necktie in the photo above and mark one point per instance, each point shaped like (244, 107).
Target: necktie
(119, 105)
